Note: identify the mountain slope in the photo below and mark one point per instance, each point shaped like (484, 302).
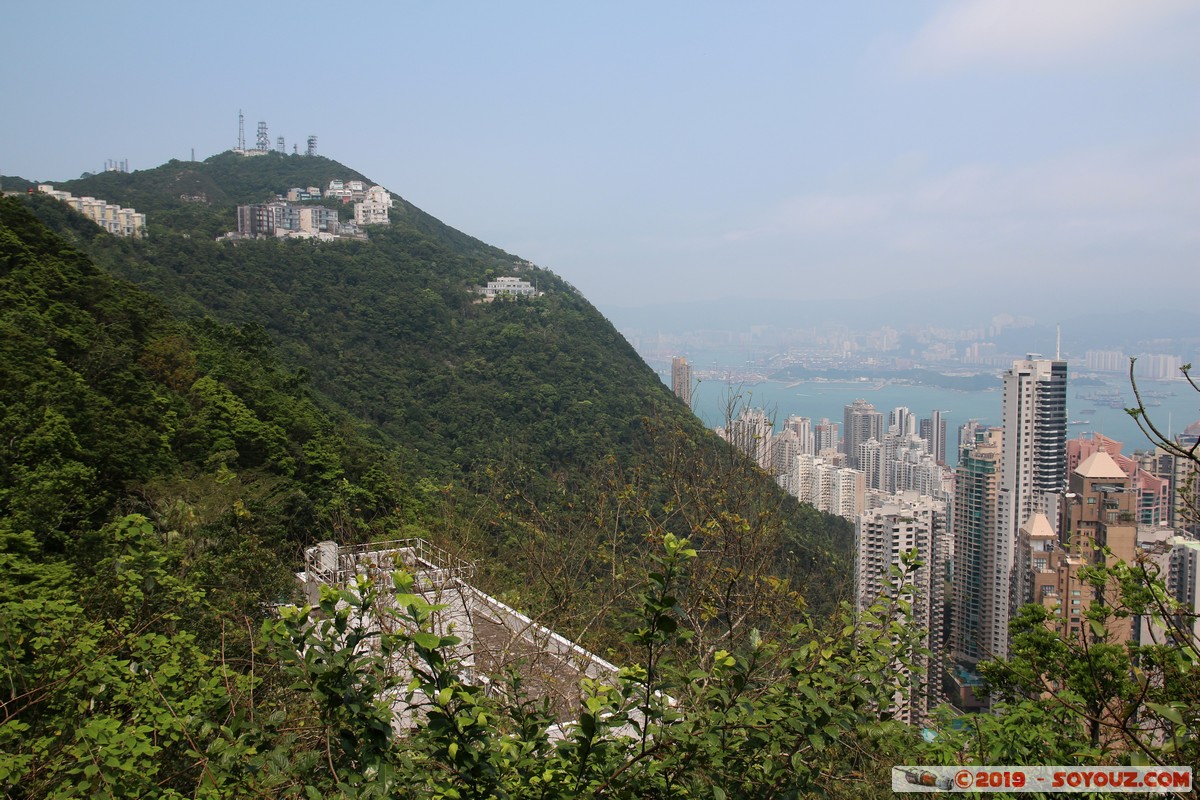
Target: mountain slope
(537, 412)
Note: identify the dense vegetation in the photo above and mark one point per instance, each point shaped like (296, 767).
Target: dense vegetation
(167, 451)
(533, 417)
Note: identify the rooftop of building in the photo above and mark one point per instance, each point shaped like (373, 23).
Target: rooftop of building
(1039, 525)
(1100, 465)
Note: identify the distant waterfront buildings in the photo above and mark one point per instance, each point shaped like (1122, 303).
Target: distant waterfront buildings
(1155, 366)
(681, 379)
(1106, 361)
(113, 218)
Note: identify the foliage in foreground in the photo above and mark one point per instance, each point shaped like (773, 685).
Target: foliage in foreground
(121, 701)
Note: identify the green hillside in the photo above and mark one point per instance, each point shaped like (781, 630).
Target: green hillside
(167, 451)
(526, 435)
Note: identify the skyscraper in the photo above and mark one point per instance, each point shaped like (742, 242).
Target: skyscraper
(861, 422)
(906, 524)
(901, 421)
(933, 431)
(753, 433)
(825, 436)
(681, 379)
(1033, 470)
(974, 629)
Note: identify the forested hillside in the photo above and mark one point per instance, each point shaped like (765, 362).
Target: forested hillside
(167, 457)
(534, 419)
(180, 417)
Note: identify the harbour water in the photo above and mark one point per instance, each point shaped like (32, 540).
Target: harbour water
(1172, 405)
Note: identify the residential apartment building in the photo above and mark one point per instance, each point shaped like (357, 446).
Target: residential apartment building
(753, 433)
(1032, 471)
(827, 486)
(933, 431)
(374, 207)
(860, 422)
(508, 286)
(681, 379)
(978, 572)
(907, 524)
(118, 221)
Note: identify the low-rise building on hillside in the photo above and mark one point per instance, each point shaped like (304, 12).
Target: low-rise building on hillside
(374, 206)
(282, 220)
(508, 287)
(113, 218)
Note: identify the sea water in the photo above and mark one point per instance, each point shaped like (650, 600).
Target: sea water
(1172, 405)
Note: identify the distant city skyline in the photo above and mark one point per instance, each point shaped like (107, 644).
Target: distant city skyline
(884, 159)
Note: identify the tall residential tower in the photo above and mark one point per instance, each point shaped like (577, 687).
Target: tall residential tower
(1033, 470)
(681, 379)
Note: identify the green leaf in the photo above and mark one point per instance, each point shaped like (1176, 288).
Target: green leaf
(1168, 712)
(429, 641)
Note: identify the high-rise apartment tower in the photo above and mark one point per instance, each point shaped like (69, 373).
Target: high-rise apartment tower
(1033, 470)
(681, 379)
(861, 422)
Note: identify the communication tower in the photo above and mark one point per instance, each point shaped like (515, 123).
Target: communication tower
(263, 142)
(312, 146)
(280, 147)
(241, 131)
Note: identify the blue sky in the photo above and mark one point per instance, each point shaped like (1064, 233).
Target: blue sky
(802, 154)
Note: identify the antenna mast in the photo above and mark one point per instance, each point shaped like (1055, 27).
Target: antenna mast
(1058, 342)
(241, 131)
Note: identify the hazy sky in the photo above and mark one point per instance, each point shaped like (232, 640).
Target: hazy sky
(806, 153)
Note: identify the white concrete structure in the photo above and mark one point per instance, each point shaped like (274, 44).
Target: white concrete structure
(860, 422)
(494, 637)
